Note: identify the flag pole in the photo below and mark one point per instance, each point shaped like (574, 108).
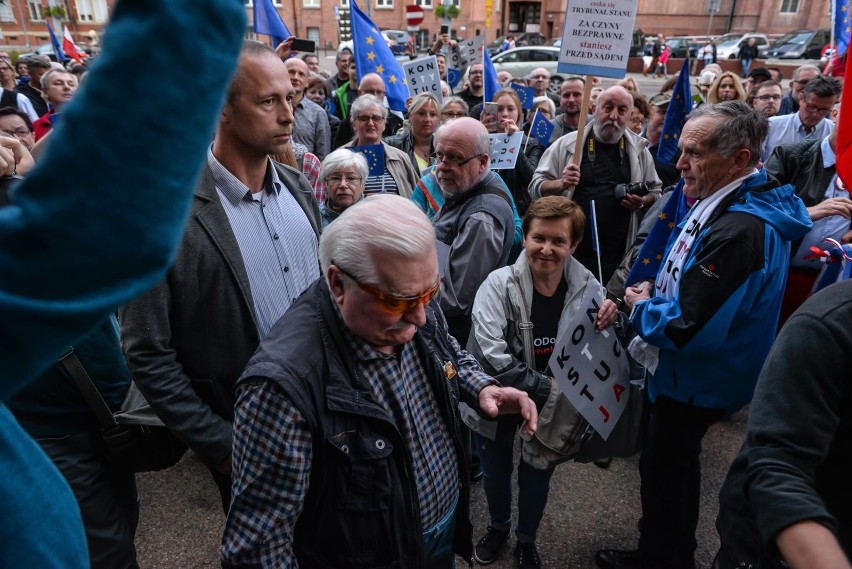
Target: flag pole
(532, 122)
(581, 129)
(596, 244)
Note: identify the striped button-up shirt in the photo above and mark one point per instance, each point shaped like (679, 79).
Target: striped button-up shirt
(276, 240)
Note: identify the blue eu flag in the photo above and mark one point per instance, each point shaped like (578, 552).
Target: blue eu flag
(267, 21)
(453, 77)
(541, 129)
(841, 25)
(375, 155)
(525, 94)
(372, 55)
(489, 75)
(651, 253)
(57, 50)
(679, 107)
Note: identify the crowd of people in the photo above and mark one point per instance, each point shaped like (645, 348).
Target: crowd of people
(358, 316)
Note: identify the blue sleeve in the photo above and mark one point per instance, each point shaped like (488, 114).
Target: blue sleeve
(98, 220)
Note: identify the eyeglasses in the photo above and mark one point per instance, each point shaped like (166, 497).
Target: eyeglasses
(364, 119)
(453, 115)
(769, 97)
(391, 303)
(475, 73)
(337, 180)
(817, 110)
(18, 133)
(440, 158)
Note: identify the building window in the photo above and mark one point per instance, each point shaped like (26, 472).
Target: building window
(344, 4)
(427, 4)
(6, 14)
(314, 35)
(311, 3)
(790, 6)
(384, 4)
(36, 14)
(92, 10)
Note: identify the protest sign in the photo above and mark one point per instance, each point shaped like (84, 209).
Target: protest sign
(423, 77)
(591, 367)
(597, 36)
(504, 150)
(467, 53)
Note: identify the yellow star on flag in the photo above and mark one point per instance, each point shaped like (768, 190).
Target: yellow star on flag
(371, 55)
(392, 79)
(671, 225)
(666, 136)
(369, 40)
(646, 261)
(659, 256)
(374, 30)
(380, 69)
(663, 215)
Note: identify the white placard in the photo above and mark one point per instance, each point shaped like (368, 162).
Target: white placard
(505, 149)
(467, 53)
(422, 76)
(597, 37)
(591, 367)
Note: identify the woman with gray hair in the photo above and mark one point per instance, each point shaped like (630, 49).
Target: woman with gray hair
(343, 173)
(397, 175)
(453, 108)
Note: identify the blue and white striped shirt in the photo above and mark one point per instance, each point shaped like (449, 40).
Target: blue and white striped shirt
(278, 244)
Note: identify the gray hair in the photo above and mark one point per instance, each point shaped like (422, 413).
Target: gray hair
(823, 87)
(372, 228)
(366, 101)
(52, 72)
(454, 100)
(738, 126)
(545, 99)
(805, 67)
(482, 144)
(344, 158)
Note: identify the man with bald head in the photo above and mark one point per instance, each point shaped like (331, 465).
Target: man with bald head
(371, 84)
(311, 126)
(612, 155)
(539, 80)
(475, 225)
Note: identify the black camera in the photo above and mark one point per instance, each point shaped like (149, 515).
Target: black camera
(634, 189)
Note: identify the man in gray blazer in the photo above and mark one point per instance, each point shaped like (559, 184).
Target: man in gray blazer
(249, 250)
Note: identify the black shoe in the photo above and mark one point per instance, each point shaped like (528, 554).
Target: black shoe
(603, 463)
(618, 559)
(527, 555)
(489, 546)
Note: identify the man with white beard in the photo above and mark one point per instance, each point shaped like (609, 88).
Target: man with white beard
(612, 156)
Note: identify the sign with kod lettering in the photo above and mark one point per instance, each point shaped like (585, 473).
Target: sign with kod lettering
(597, 36)
(505, 149)
(466, 53)
(591, 367)
(423, 77)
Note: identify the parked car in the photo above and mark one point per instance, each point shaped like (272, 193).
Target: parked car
(728, 46)
(524, 39)
(681, 47)
(522, 60)
(400, 39)
(47, 49)
(637, 43)
(800, 44)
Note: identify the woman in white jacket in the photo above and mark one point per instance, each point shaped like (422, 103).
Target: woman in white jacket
(545, 286)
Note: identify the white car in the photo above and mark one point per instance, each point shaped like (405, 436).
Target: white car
(521, 61)
(728, 46)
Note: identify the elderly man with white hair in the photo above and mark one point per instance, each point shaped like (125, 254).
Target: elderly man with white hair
(346, 426)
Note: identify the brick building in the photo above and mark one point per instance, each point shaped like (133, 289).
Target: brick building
(24, 22)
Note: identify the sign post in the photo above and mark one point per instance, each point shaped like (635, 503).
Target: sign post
(414, 15)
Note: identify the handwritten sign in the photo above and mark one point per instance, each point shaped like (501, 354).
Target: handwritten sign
(504, 150)
(467, 53)
(423, 76)
(597, 36)
(591, 367)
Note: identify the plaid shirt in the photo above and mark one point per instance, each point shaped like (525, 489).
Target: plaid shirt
(272, 451)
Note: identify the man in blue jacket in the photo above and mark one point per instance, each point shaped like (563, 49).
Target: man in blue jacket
(706, 324)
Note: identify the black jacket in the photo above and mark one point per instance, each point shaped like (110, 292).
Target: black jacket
(361, 509)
